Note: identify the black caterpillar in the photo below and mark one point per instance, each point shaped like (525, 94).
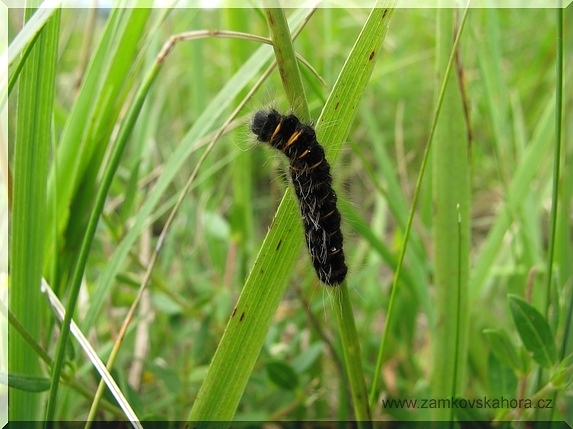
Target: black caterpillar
(312, 182)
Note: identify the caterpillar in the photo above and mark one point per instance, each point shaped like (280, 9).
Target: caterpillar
(312, 182)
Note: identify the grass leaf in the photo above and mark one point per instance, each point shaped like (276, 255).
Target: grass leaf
(31, 158)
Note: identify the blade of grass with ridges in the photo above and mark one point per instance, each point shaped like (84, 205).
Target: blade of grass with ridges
(20, 47)
(31, 158)
(419, 182)
(90, 123)
(451, 225)
(287, 64)
(555, 209)
(246, 330)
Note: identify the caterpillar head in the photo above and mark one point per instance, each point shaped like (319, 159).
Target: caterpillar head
(264, 124)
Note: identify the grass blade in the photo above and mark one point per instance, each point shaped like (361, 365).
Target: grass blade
(436, 116)
(288, 66)
(451, 224)
(86, 135)
(35, 107)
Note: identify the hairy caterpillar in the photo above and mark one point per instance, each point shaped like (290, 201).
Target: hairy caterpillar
(310, 173)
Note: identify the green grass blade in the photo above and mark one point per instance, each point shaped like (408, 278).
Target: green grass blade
(451, 227)
(397, 275)
(288, 66)
(556, 212)
(86, 134)
(31, 29)
(246, 330)
(35, 108)
(556, 159)
(21, 45)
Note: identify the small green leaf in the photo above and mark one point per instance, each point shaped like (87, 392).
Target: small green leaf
(28, 383)
(282, 374)
(503, 349)
(534, 331)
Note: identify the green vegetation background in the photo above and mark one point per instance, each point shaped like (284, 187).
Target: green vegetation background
(504, 119)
